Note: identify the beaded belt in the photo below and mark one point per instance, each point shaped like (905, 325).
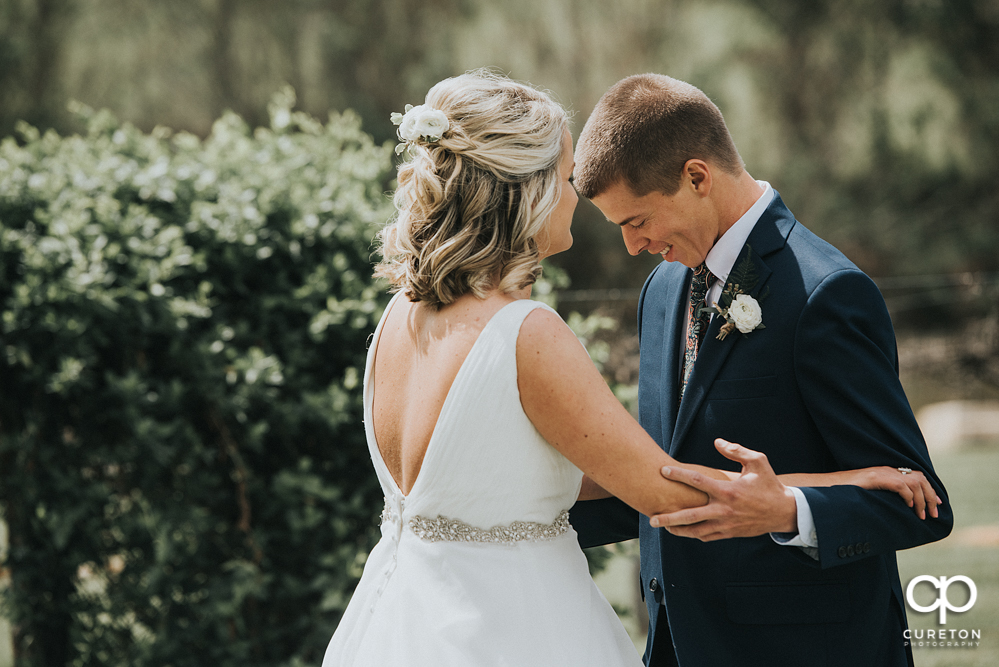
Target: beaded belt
(443, 529)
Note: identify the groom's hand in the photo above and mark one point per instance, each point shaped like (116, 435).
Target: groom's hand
(754, 503)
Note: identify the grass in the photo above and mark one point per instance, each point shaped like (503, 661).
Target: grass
(6, 650)
(971, 550)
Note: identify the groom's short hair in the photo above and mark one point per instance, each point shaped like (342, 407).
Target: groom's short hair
(643, 130)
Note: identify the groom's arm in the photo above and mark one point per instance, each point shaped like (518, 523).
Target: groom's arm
(846, 365)
(846, 370)
(604, 521)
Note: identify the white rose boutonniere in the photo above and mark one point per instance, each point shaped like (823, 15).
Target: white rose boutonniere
(740, 310)
(420, 122)
(745, 313)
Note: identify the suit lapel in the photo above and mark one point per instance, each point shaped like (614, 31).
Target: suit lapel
(768, 236)
(673, 340)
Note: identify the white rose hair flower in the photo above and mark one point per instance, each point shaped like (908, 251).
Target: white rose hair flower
(420, 122)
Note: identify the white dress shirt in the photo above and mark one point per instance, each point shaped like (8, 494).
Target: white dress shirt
(720, 261)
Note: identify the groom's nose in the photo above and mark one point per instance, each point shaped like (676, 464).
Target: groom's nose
(633, 241)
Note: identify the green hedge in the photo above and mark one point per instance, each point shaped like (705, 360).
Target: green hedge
(184, 323)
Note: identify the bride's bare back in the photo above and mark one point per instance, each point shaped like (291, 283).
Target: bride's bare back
(419, 354)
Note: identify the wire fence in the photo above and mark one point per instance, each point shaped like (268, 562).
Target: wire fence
(900, 292)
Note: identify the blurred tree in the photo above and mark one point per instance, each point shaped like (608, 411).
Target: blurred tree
(876, 119)
(31, 77)
(889, 111)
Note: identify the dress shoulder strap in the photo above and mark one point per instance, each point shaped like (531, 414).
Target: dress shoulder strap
(513, 314)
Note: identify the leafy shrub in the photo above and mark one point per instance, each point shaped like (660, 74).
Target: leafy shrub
(183, 467)
(184, 322)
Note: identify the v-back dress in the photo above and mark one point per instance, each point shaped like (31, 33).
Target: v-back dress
(478, 564)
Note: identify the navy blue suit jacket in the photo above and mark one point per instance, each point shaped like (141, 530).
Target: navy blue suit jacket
(817, 390)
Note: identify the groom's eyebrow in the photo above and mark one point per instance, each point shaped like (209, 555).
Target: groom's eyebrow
(626, 220)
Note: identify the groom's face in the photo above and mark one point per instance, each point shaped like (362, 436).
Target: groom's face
(678, 227)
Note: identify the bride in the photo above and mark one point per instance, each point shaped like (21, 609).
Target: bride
(483, 411)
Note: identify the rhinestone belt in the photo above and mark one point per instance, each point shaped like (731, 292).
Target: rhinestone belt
(443, 529)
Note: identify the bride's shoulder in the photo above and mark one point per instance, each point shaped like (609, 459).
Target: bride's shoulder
(544, 339)
(542, 320)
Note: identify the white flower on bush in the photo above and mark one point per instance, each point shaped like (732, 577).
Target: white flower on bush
(745, 313)
(421, 122)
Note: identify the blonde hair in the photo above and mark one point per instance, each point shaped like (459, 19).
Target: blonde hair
(643, 131)
(470, 206)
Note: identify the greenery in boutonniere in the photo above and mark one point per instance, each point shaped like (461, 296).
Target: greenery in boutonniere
(740, 310)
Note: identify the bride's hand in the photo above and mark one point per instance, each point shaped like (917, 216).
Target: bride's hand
(912, 485)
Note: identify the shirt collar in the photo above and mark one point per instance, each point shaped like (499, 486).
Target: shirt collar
(722, 256)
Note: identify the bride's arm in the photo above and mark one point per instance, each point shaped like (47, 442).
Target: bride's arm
(570, 404)
(913, 486)
(572, 407)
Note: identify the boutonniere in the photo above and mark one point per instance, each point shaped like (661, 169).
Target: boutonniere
(737, 307)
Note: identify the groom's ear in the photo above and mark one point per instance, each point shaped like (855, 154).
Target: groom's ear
(698, 174)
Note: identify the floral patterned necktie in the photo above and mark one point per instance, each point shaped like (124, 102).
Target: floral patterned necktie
(696, 326)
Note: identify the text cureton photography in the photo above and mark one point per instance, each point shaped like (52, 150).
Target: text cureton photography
(941, 637)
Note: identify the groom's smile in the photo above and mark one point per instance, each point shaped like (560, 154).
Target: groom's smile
(677, 227)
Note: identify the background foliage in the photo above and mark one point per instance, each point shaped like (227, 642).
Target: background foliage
(182, 463)
(184, 313)
(877, 120)
(183, 469)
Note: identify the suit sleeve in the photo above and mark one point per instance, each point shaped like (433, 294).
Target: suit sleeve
(846, 367)
(605, 521)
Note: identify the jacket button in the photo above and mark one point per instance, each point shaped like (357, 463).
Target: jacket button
(842, 552)
(654, 585)
(850, 551)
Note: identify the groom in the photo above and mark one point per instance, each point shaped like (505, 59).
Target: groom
(798, 361)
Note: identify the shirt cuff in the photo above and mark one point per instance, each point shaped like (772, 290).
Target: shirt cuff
(806, 537)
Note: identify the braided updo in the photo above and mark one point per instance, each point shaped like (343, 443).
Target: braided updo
(471, 205)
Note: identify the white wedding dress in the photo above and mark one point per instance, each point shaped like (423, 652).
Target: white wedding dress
(478, 565)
